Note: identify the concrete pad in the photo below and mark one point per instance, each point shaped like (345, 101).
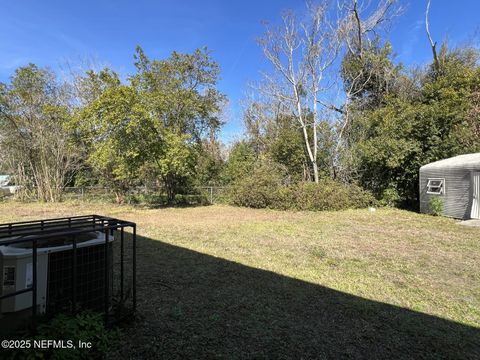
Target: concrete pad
(471, 222)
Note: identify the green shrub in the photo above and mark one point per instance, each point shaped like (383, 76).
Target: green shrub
(327, 195)
(85, 327)
(253, 192)
(436, 205)
(258, 190)
(266, 192)
(390, 197)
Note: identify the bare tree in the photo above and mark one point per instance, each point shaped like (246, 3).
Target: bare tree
(304, 54)
(360, 26)
(260, 116)
(301, 52)
(359, 22)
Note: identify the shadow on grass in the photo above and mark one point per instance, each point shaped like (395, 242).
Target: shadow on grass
(193, 305)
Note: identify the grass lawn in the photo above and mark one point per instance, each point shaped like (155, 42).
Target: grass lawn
(226, 282)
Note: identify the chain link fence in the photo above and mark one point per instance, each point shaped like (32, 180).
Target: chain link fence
(200, 195)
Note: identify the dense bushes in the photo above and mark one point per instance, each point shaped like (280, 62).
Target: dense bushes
(326, 195)
(267, 192)
(258, 190)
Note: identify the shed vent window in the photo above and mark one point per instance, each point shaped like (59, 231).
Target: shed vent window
(436, 186)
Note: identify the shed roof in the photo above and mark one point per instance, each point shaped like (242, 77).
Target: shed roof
(460, 161)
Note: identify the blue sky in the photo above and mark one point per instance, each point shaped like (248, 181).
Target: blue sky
(50, 32)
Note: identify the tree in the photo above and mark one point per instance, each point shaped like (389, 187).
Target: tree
(368, 80)
(181, 92)
(241, 162)
(301, 53)
(366, 71)
(37, 147)
(287, 149)
(181, 96)
(304, 57)
(438, 120)
(151, 127)
(209, 163)
(88, 86)
(113, 129)
(176, 161)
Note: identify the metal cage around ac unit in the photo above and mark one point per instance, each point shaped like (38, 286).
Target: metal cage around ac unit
(67, 265)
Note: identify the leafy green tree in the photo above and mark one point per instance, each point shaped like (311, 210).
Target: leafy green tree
(181, 96)
(287, 149)
(241, 161)
(176, 162)
(113, 129)
(180, 92)
(370, 75)
(155, 125)
(209, 164)
(437, 120)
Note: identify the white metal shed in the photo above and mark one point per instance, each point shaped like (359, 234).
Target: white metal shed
(457, 181)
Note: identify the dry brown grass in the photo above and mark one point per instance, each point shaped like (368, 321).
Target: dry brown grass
(411, 261)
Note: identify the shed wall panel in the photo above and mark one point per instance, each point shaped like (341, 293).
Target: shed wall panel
(457, 196)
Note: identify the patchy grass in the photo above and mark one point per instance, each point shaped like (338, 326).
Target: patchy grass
(226, 282)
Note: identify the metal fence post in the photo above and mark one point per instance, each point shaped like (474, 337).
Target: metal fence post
(34, 286)
(134, 266)
(122, 236)
(74, 275)
(106, 294)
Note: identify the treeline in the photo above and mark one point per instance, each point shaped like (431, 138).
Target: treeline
(158, 128)
(336, 123)
(386, 122)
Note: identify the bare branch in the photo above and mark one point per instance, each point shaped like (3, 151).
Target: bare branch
(433, 44)
(331, 107)
(359, 29)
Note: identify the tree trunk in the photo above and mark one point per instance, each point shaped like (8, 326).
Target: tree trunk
(315, 171)
(169, 186)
